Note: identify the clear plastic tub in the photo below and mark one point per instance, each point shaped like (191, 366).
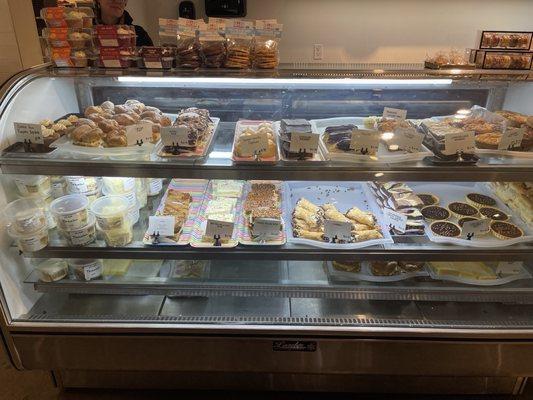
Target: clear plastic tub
(82, 184)
(155, 185)
(111, 212)
(142, 192)
(118, 185)
(119, 237)
(59, 186)
(85, 269)
(30, 242)
(133, 213)
(25, 216)
(31, 185)
(81, 236)
(52, 270)
(71, 211)
(131, 195)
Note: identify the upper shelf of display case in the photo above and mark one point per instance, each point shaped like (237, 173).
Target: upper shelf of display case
(323, 97)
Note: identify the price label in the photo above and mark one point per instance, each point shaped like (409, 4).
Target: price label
(250, 145)
(223, 229)
(108, 42)
(139, 134)
(31, 133)
(161, 225)
(175, 136)
(459, 142)
(471, 229)
(365, 142)
(396, 220)
(407, 139)
(153, 64)
(511, 138)
(303, 142)
(267, 227)
(337, 230)
(509, 268)
(112, 63)
(394, 113)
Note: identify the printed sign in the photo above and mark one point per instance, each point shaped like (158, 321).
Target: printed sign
(337, 230)
(29, 133)
(175, 136)
(407, 139)
(472, 229)
(219, 228)
(394, 113)
(509, 268)
(251, 145)
(161, 225)
(267, 227)
(303, 142)
(511, 138)
(459, 142)
(139, 134)
(395, 220)
(365, 142)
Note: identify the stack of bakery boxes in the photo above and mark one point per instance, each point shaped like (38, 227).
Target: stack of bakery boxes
(503, 50)
(69, 35)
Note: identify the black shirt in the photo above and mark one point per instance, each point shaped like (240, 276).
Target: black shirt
(143, 39)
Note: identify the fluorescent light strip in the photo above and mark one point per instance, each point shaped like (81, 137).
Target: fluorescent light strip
(283, 81)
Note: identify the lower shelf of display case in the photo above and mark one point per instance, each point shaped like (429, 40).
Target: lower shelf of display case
(279, 279)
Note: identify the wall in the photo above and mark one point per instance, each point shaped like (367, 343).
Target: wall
(369, 31)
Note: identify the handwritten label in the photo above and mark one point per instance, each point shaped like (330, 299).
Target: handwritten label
(175, 136)
(303, 142)
(223, 229)
(396, 220)
(475, 228)
(267, 227)
(394, 113)
(139, 134)
(161, 225)
(337, 230)
(407, 139)
(153, 64)
(29, 133)
(511, 138)
(509, 268)
(365, 142)
(459, 142)
(250, 145)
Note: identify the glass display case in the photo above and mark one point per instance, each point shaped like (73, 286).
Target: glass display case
(269, 225)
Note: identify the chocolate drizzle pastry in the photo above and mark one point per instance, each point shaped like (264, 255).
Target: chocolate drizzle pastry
(493, 213)
(445, 228)
(435, 213)
(480, 200)
(505, 230)
(462, 209)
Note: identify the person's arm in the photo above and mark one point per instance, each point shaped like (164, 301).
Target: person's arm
(143, 39)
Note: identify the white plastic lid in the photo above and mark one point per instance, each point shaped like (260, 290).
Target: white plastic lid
(108, 206)
(69, 204)
(25, 215)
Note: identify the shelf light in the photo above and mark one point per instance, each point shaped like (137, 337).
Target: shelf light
(283, 81)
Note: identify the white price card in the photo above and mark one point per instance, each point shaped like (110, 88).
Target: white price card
(267, 227)
(394, 113)
(365, 142)
(395, 220)
(29, 133)
(472, 229)
(304, 142)
(459, 142)
(153, 64)
(223, 229)
(509, 268)
(511, 138)
(407, 139)
(337, 230)
(251, 145)
(112, 63)
(162, 225)
(139, 134)
(175, 136)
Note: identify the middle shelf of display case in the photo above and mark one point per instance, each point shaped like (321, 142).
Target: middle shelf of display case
(398, 251)
(223, 168)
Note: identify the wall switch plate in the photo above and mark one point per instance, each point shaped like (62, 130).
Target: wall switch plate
(318, 52)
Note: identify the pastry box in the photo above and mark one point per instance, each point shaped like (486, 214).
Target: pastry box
(505, 40)
(494, 59)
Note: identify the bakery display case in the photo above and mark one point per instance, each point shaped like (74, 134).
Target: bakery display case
(308, 222)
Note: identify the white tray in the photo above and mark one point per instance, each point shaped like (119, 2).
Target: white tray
(343, 195)
(366, 274)
(496, 282)
(383, 156)
(448, 193)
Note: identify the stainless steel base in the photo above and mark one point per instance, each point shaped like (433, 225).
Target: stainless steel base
(289, 382)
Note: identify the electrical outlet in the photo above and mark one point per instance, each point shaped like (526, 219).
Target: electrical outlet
(318, 51)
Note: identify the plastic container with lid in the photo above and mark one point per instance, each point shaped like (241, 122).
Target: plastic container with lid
(142, 192)
(111, 212)
(45, 203)
(133, 213)
(25, 216)
(52, 270)
(118, 185)
(32, 241)
(82, 184)
(85, 269)
(119, 237)
(59, 186)
(155, 185)
(130, 195)
(71, 211)
(82, 236)
(30, 185)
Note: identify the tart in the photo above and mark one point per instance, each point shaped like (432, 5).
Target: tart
(460, 209)
(493, 213)
(480, 200)
(428, 199)
(505, 230)
(384, 268)
(462, 221)
(445, 228)
(435, 213)
(347, 266)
